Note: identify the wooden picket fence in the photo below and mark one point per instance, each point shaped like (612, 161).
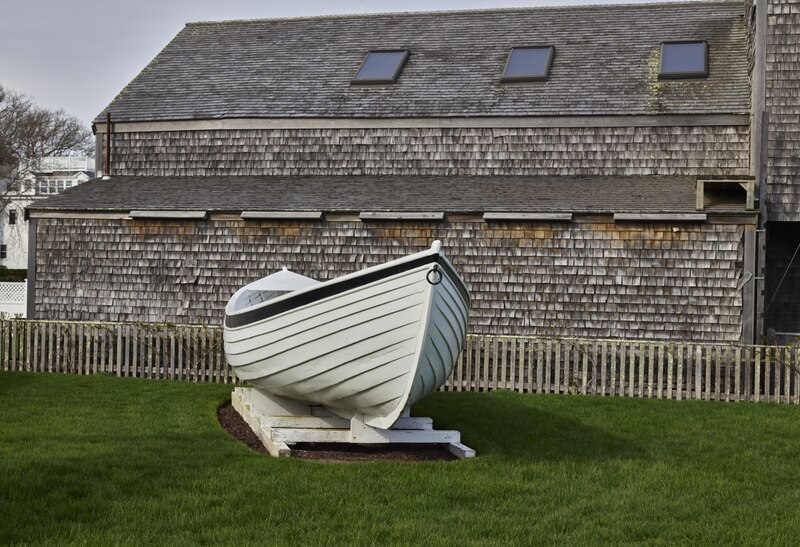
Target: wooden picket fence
(623, 368)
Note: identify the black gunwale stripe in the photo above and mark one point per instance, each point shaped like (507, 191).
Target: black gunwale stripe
(338, 287)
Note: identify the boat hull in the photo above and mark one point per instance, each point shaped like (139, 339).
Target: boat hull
(372, 350)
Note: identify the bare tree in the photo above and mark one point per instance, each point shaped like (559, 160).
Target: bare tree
(29, 133)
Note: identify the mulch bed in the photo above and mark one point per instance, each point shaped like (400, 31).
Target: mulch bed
(234, 424)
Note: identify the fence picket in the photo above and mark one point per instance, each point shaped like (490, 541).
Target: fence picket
(768, 375)
(698, 372)
(584, 372)
(796, 366)
(670, 361)
(520, 367)
(787, 374)
(557, 369)
(532, 347)
(493, 384)
(679, 373)
(36, 328)
(511, 377)
(737, 372)
(757, 376)
(612, 386)
(709, 368)
(726, 371)
(632, 370)
(622, 364)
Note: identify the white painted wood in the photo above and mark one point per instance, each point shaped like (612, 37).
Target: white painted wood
(362, 433)
(335, 422)
(277, 433)
(297, 435)
(375, 349)
(268, 404)
(461, 451)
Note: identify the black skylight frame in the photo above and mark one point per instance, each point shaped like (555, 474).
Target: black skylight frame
(683, 75)
(538, 77)
(389, 79)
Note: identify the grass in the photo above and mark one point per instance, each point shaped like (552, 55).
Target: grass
(103, 460)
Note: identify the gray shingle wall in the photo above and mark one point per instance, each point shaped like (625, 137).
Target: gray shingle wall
(783, 104)
(661, 281)
(718, 150)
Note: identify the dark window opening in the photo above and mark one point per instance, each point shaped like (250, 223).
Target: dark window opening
(12, 217)
(381, 67)
(3, 251)
(683, 60)
(527, 64)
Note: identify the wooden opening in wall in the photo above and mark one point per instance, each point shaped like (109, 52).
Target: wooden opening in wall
(725, 193)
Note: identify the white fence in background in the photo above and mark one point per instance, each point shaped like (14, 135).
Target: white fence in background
(14, 299)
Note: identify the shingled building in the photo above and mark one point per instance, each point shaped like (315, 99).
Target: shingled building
(603, 184)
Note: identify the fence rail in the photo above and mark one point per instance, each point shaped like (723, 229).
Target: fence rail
(625, 368)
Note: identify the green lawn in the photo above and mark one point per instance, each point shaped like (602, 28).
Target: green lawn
(105, 460)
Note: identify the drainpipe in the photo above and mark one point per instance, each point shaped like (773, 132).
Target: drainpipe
(107, 171)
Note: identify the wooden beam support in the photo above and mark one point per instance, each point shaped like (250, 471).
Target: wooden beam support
(380, 215)
(166, 214)
(286, 215)
(661, 217)
(552, 217)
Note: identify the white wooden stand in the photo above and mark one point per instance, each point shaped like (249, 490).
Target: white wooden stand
(280, 423)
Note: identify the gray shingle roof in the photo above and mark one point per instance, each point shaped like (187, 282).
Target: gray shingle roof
(388, 193)
(606, 62)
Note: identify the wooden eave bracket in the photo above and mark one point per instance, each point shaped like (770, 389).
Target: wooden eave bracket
(380, 215)
(287, 215)
(661, 217)
(177, 215)
(552, 217)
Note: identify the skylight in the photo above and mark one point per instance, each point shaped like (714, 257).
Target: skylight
(527, 64)
(381, 67)
(683, 60)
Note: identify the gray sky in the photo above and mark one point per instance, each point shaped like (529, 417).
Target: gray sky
(78, 54)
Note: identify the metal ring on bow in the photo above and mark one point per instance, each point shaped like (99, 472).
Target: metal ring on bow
(435, 270)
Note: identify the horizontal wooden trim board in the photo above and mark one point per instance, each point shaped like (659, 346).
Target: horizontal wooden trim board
(565, 217)
(256, 215)
(370, 123)
(674, 217)
(178, 215)
(93, 215)
(370, 215)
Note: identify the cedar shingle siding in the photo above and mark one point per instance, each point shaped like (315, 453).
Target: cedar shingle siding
(783, 104)
(465, 151)
(589, 279)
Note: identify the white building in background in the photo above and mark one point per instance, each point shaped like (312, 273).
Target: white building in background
(52, 176)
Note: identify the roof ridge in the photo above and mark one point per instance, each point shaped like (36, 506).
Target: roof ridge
(573, 7)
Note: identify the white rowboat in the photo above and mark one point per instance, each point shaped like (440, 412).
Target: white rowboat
(367, 345)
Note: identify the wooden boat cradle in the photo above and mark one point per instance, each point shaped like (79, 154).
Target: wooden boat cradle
(280, 423)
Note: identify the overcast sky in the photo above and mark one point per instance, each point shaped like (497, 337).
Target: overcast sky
(78, 54)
